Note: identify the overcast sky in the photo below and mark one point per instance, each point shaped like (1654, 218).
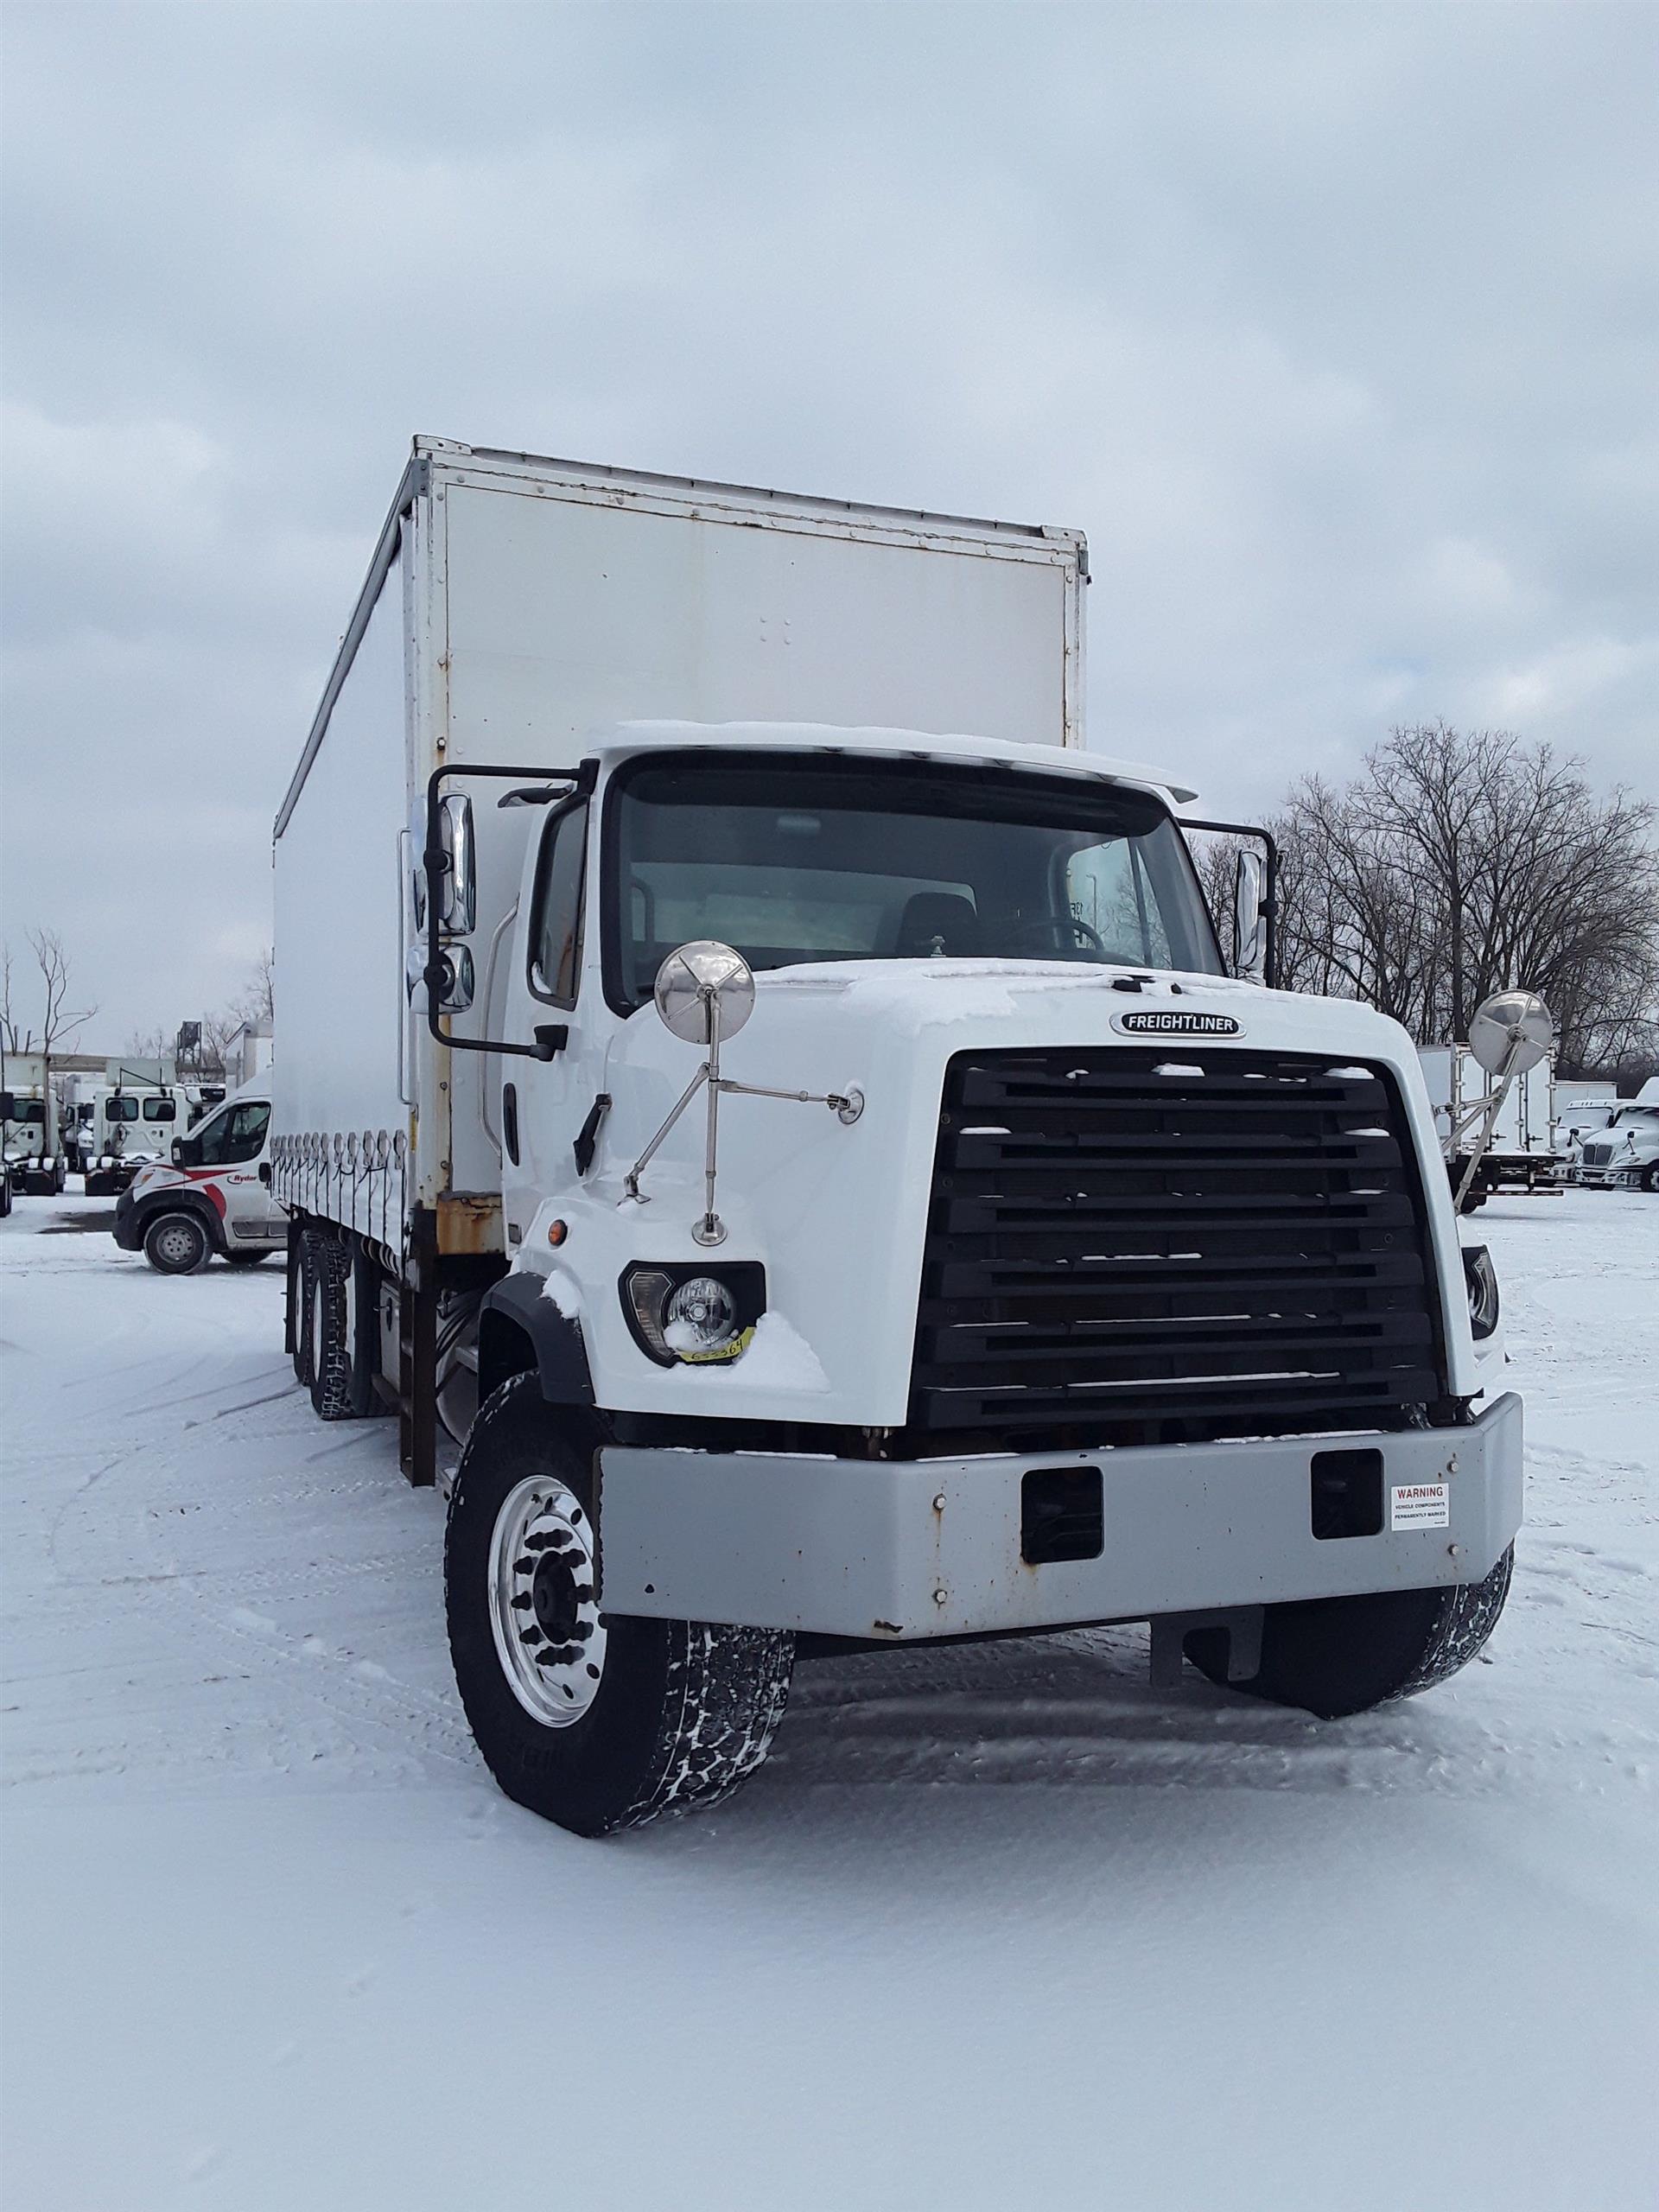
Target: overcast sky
(1335, 328)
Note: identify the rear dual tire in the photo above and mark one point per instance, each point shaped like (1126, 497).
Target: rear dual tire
(627, 1718)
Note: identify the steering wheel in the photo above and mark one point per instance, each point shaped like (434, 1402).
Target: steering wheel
(1060, 927)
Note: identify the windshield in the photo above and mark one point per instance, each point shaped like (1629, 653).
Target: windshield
(26, 1111)
(1637, 1117)
(796, 860)
(120, 1109)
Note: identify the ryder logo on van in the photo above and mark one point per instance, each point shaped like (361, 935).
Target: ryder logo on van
(1174, 1021)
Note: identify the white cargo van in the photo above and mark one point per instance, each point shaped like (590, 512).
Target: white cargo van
(210, 1195)
(816, 1161)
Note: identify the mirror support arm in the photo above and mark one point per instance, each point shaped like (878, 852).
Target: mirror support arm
(1270, 904)
(435, 862)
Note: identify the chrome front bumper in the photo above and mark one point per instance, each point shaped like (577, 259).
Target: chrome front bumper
(902, 1549)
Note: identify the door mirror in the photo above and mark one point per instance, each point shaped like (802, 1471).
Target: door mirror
(455, 982)
(186, 1152)
(458, 909)
(1249, 919)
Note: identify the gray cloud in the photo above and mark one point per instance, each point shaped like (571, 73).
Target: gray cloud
(1334, 327)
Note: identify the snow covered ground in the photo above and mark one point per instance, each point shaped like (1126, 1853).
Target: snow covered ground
(996, 1927)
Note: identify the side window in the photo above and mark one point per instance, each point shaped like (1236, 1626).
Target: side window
(234, 1133)
(124, 1108)
(556, 922)
(161, 1109)
(245, 1131)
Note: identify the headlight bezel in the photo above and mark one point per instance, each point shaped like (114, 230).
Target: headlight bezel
(1480, 1281)
(645, 1288)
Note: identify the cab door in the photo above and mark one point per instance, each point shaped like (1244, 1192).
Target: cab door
(544, 1104)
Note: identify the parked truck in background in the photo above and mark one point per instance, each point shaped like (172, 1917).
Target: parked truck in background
(1624, 1153)
(135, 1120)
(816, 1164)
(1521, 1154)
(30, 1141)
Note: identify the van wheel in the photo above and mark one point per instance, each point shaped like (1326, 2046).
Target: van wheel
(177, 1244)
(327, 1332)
(596, 1722)
(1334, 1656)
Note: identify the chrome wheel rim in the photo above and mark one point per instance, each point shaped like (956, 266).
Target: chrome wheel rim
(175, 1243)
(543, 1607)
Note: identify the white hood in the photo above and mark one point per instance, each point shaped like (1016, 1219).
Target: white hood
(836, 1214)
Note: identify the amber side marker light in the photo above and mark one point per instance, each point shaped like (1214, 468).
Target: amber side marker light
(557, 1232)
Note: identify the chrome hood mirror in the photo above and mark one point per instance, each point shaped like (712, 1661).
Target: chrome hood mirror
(704, 992)
(1511, 1032)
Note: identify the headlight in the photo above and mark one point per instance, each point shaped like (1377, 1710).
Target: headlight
(694, 1316)
(1481, 1278)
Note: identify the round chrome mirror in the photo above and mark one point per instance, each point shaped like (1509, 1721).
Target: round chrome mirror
(700, 976)
(1510, 1020)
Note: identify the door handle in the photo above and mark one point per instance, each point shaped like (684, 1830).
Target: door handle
(510, 1120)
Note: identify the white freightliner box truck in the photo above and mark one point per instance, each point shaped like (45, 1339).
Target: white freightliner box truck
(816, 1162)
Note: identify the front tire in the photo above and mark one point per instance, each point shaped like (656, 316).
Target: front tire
(620, 1718)
(177, 1244)
(1335, 1657)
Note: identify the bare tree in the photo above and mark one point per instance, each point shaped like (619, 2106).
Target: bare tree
(1455, 864)
(9, 1038)
(59, 1020)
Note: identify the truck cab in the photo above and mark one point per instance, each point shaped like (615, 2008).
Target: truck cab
(208, 1195)
(132, 1126)
(1624, 1154)
(906, 1227)
(28, 1139)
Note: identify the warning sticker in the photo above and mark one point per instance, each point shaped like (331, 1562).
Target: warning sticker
(1419, 1505)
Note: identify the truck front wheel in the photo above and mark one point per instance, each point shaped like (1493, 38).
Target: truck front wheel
(1334, 1656)
(597, 1722)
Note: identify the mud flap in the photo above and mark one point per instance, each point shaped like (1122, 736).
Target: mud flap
(1170, 1631)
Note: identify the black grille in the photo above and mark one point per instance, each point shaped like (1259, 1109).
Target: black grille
(1169, 1244)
